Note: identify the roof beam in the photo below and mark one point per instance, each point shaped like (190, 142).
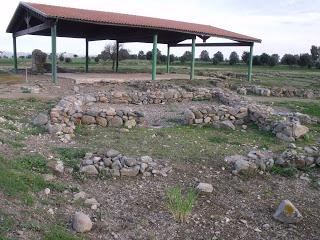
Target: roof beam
(239, 44)
(33, 29)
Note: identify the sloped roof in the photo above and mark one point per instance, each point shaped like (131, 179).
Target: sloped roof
(126, 20)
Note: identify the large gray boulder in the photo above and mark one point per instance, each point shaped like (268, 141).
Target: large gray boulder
(41, 119)
(39, 60)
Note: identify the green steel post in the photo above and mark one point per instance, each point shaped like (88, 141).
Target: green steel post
(193, 58)
(154, 56)
(117, 56)
(54, 52)
(168, 59)
(15, 61)
(87, 55)
(250, 64)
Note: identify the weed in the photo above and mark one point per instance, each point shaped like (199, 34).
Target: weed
(6, 223)
(35, 162)
(60, 233)
(180, 206)
(218, 139)
(71, 156)
(284, 171)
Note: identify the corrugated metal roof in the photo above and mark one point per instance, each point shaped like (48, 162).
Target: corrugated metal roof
(111, 18)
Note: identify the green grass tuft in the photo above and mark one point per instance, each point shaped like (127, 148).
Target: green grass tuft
(35, 162)
(180, 206)
(284, 171)
(71, 156)
(59, 233)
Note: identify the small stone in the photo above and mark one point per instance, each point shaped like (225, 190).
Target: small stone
(292, 146)
(111, 153)
(90, 170)
(47, 191)
(129, 172)
(266, 226)
(51, 211)
(130, 162)
(244, 127)
(116, 121)
(242, 166)
(56, 166)
(102, 121)
(86, 119)
(41, 119)
(79, 195)
(205, 188)
(107, 162)
(124, 130)
(287, 213)
(130, 123)
(81, 222)
(91, 201)
(146, 159)
(49, 177)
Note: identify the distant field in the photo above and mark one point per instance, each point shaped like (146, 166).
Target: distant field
(280, 76)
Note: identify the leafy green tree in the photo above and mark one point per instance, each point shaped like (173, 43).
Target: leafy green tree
(234, 58)
(218, 57)
(204, 56)
(187, 56)
(305, 60)
(289, 59)
(274, 60)
(141, 55)
(315, 53)
(265, 59)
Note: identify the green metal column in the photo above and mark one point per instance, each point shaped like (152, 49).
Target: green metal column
(117, 56)
(54, 52)
(15, 61)
(250, 63)
(87, 56)
(168, 59)
(193, 58)
(154, 56)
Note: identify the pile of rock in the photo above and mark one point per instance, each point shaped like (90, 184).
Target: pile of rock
(264, 160)
(286, 127)
(113, 163)
(278, 92)
(81, 109)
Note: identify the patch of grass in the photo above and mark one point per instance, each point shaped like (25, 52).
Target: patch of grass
(6, 224)
(60, 233)
(19, 178)
(180, 206)
(71, 156)
(35, 162)
(81, 130)
(310, 108)
(218, 139)
(35, 130)
(284, 171)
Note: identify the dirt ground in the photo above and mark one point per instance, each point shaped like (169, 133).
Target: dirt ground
(240, 207)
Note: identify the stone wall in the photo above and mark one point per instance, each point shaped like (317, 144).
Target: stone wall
(286, 127)
(278, 92)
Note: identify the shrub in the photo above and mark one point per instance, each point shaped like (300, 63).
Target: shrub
(180, 206)
(68, 60)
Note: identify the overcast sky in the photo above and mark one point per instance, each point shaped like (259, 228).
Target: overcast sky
(286, 26)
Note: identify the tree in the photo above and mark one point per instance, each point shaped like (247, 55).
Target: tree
(274, 60)
(172, 58)
(289, 59)
(187, 56)
(141, 55)
(204, 56)
(75, 55)
(218, 57)
(96, 59)
(149, 55)
(234, 58)
(265, 59)
(315, 53)
(110, 52)
(68, 60)
(256, 61)
(61, 57)
(305, 60)
(245, 57)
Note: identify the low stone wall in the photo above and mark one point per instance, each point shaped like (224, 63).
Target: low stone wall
(278, 92)
(287, 128)
(293, 156)
(113, 163)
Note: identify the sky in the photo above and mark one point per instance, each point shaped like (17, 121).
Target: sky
(286, 26)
